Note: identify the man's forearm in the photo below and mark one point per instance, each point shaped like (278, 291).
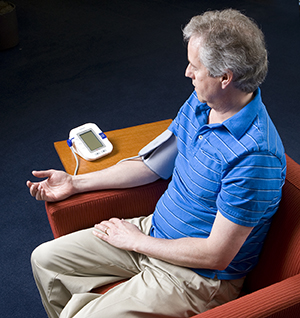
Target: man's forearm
(213, 252)
(127, 174)
(186, 252)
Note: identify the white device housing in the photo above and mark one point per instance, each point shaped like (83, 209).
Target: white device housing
(89, 142)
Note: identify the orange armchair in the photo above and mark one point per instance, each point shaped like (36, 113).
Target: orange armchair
(272, 289)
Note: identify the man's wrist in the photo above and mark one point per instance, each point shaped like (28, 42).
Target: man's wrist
(77, 184)
(142, 244)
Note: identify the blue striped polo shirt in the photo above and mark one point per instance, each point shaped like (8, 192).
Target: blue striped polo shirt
(237, 167)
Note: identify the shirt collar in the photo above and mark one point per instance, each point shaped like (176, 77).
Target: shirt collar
(239, 123)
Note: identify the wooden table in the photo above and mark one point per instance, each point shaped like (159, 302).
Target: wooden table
(127, 142)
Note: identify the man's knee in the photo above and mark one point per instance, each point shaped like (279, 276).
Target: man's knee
(42, 255)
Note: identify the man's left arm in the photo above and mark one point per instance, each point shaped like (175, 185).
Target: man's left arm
(215, 252)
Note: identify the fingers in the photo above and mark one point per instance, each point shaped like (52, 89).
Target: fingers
(39, 174)
(40, 194)
(29, 184)
(103, 226)
(103, 229)
(42, 173)
(115, 221)
(111, 223)
(36, 190)
(101, 232)
(109, 226)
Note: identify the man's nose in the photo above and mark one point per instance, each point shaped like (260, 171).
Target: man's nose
(188, 72)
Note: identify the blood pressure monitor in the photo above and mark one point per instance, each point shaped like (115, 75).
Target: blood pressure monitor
(89, 142)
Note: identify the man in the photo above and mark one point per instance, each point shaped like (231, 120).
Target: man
(208, 228)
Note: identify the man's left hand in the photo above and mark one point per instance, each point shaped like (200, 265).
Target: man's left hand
(118, 233)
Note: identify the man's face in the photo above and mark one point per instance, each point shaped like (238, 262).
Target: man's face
(207, 88)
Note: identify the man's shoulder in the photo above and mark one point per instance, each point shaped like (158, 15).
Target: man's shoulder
(265, 134)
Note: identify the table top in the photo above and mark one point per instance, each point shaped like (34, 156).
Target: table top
(127, 142)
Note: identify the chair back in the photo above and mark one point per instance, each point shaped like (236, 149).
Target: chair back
(280, 256)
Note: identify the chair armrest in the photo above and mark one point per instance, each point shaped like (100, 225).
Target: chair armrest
(279, 300)
(85, 210)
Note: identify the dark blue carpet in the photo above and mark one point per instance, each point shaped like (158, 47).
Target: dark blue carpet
(117, 63)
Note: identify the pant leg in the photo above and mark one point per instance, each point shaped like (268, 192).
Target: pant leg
(160, 289)
(77, 263)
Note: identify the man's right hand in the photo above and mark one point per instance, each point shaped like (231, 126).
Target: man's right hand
(56, 187)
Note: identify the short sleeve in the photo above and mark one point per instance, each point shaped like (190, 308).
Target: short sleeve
(251, 189)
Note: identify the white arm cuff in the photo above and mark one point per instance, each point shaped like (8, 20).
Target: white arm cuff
(160, 154)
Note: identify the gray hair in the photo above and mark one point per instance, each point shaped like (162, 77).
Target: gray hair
(231, 41)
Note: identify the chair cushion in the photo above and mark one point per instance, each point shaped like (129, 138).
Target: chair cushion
(280, 257)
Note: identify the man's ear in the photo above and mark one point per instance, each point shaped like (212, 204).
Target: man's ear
(226, 78)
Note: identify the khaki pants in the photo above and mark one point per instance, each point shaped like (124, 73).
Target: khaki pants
(67, 268)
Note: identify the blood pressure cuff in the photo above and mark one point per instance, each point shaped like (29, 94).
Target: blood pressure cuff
(160, 154)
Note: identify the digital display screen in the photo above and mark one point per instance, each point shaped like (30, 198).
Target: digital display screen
(91, 140)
